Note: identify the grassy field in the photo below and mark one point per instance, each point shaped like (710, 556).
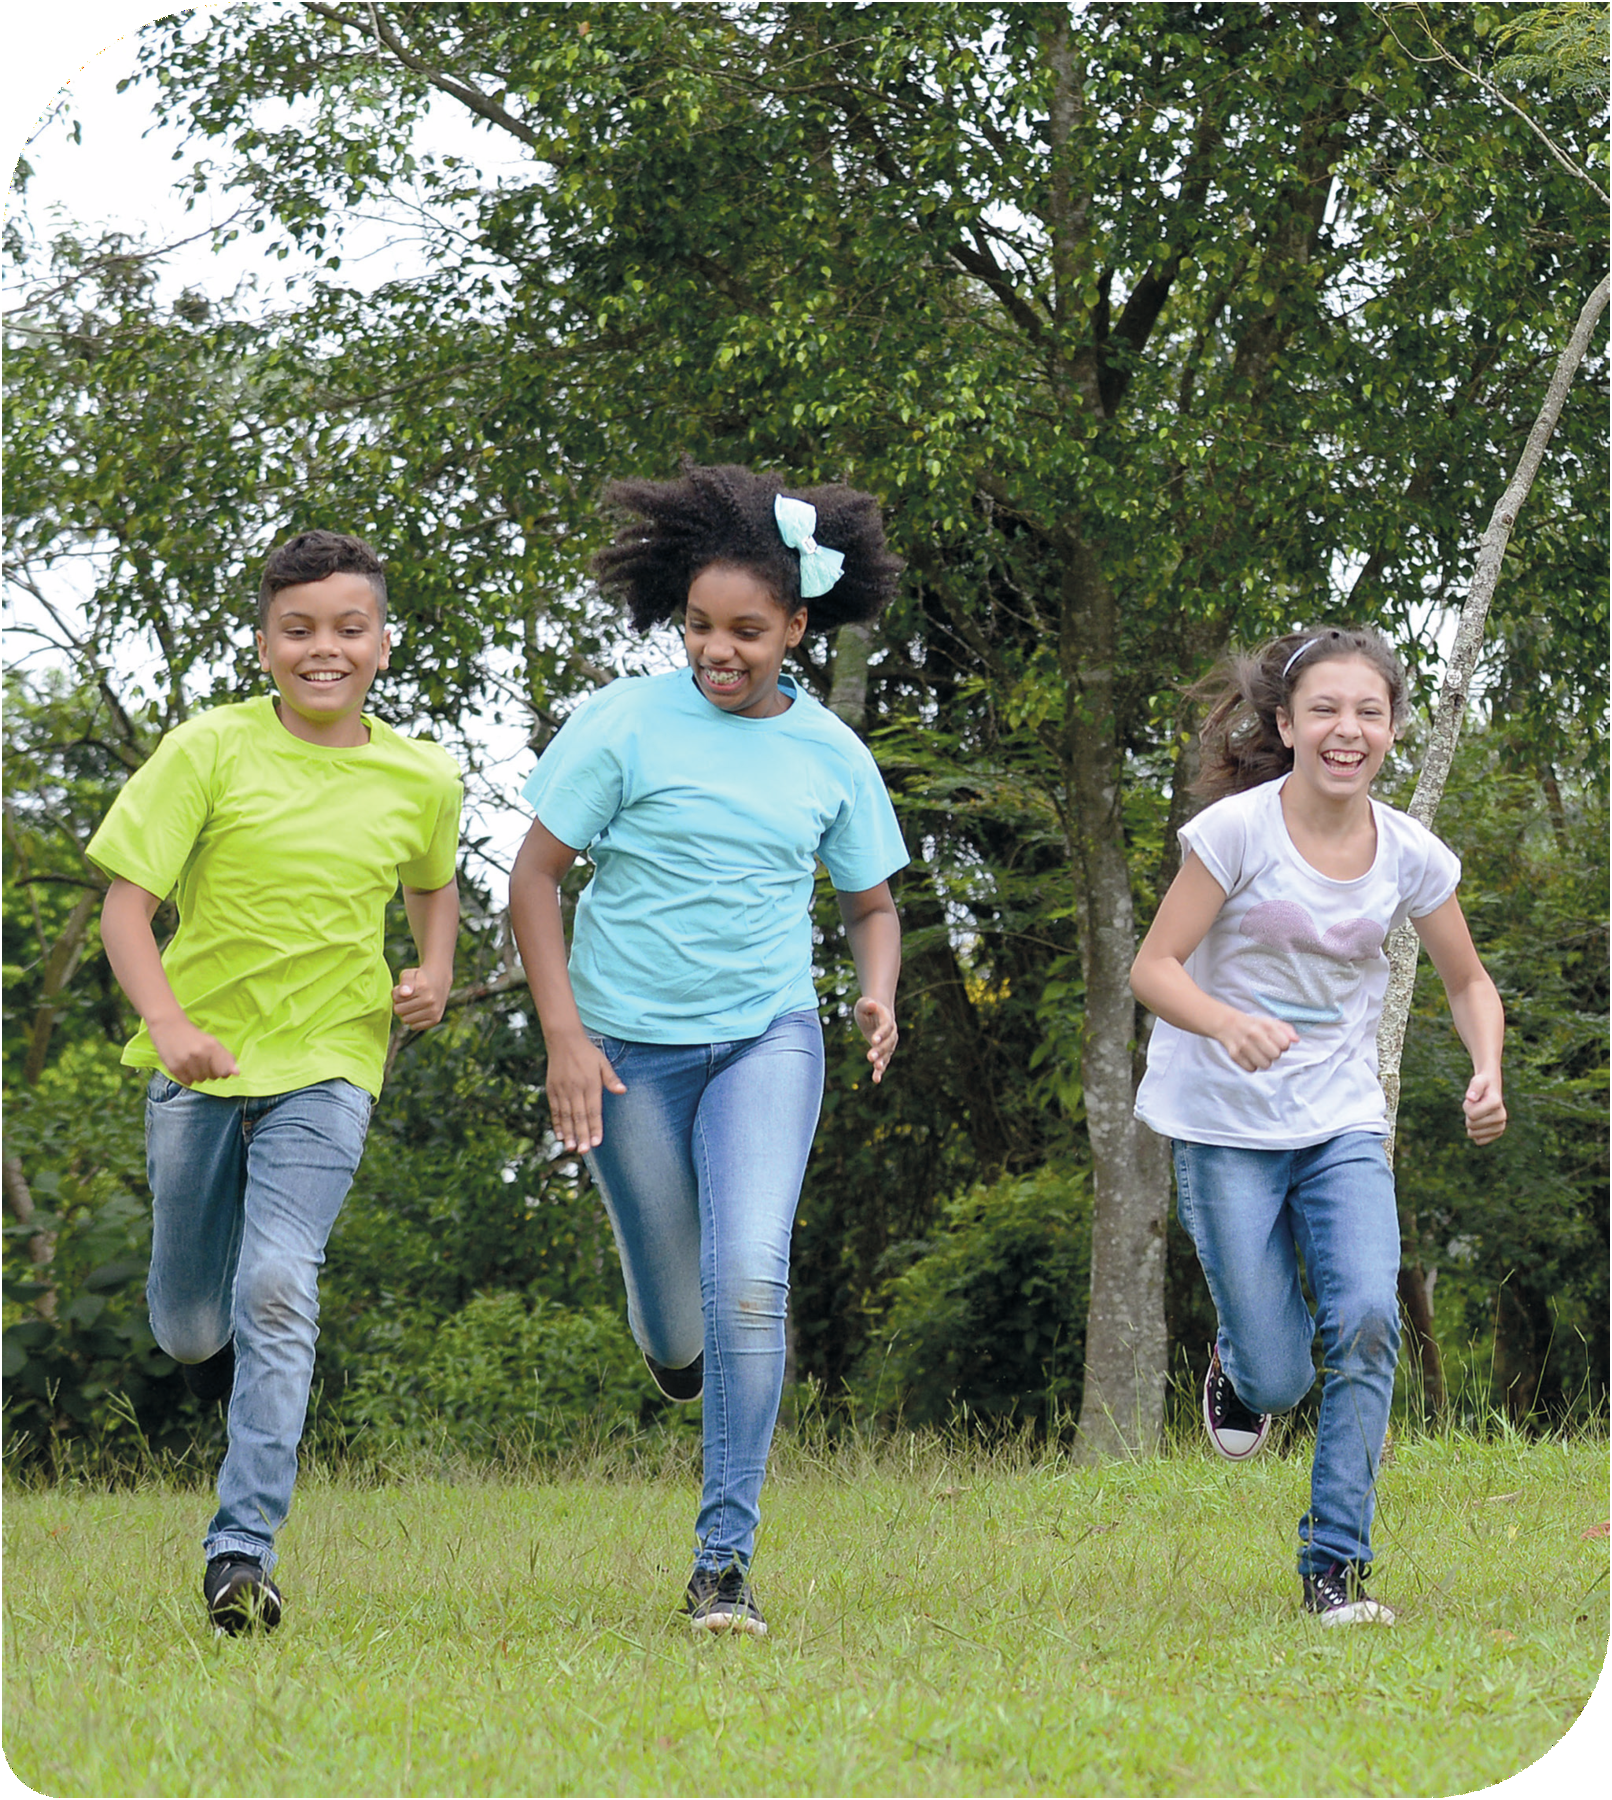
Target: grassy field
(941, 1624)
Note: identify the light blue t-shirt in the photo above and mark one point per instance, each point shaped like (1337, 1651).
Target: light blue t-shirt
(704, 830)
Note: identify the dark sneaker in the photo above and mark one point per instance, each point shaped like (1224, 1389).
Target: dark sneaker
(239, 1596)
(1339, 1597)
(1235, 1432)
(685, 1384)
(723, 1602)
(213, 1379)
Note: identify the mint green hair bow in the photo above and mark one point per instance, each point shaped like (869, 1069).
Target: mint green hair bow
(819, 566)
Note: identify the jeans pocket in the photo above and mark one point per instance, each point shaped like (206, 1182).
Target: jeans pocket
(162, 1088)
(362, 1100)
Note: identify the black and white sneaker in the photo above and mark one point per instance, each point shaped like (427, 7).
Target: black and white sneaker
(684, 1384)
(1338, 1597)
(213, 1379)
(723, 1602)
(239, 1595)
(1235, 1432)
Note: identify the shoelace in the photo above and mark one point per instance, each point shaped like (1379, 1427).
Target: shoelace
(1229, 1407)
(1333, 1587)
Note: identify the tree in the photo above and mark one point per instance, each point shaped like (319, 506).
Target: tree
(1558, 43)
(1154, 326)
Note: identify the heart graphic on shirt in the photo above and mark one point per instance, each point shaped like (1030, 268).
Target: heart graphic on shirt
(1303, 974)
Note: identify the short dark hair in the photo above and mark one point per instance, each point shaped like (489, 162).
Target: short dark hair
(1239, 742)
(723, 514)
(311, 556)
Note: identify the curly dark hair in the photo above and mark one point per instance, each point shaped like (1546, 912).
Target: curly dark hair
(311, 556)
(723, 514)
(1241, 746)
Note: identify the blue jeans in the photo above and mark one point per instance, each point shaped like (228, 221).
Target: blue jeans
(244, 1193)
(700, 1170)
(1252, 1214)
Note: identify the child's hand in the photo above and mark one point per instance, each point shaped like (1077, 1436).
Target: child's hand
(877, 1024)
(1485, 1110)
(578, 1073)
(420, 998)
(1254, 1040)
(189, 1055)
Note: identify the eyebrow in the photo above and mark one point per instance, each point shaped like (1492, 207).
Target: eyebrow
(695, 612)
(351, 612)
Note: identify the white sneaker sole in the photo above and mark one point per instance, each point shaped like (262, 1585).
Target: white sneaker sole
(1357, 1612)
(730, 1622)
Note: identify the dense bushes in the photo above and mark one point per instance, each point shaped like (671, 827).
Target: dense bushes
(987, 1319)
(501, 1371)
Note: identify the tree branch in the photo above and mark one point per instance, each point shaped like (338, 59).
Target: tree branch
(1451, 714)
(482, 104)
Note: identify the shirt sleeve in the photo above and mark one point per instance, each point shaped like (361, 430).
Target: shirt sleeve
(1439, 877)
(1219, 837)
(578, 785)
(434, 867)
(153, 824)
(863, 845)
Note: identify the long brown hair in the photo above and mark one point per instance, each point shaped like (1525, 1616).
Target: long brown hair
(1240, 745)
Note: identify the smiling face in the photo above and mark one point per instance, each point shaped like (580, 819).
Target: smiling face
(323, 643)
(1340, 727)
(736, 635)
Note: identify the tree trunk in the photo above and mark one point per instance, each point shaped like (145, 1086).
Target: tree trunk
(59, 967)
(848, 699)
(1416, 1297)
(1122, 1407)
(1451, 712)
(42, 1245)
(1416, 1282)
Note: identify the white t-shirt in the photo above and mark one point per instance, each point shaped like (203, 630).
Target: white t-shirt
(1298, 945)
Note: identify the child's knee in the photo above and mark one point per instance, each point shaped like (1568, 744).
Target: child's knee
(277, 1298)
(1277, 1388)
(753, 1302)
(192, 1339)
(1368, 1335)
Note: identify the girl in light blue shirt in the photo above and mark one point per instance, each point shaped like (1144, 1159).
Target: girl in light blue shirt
(685, 1056)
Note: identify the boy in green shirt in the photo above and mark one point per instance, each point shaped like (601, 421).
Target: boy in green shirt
(286, 825)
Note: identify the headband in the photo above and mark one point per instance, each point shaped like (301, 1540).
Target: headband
(819, 566)
(1308, 644)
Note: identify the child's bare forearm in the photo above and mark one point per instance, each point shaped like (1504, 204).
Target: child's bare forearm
(131, 949)
(434, 921)
(874, 935)
(188, 1053)
(1169, 992)
(1253, 1041)
(1480, 1019)
(421, 995)
(534, 917)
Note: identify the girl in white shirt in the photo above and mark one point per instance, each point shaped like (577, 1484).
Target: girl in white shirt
(1266, 967)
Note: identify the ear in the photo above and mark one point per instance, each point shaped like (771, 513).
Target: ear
(795, 630)
(262, 650)
(386, 650)
(1284, 726)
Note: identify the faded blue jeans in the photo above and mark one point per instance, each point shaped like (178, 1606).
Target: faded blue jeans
(700, 1170)
(244, 1192)
(1252, 1214)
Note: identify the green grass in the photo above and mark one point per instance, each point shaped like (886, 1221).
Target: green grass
(942, 1623)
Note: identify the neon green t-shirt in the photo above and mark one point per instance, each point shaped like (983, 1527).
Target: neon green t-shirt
(285, 855)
